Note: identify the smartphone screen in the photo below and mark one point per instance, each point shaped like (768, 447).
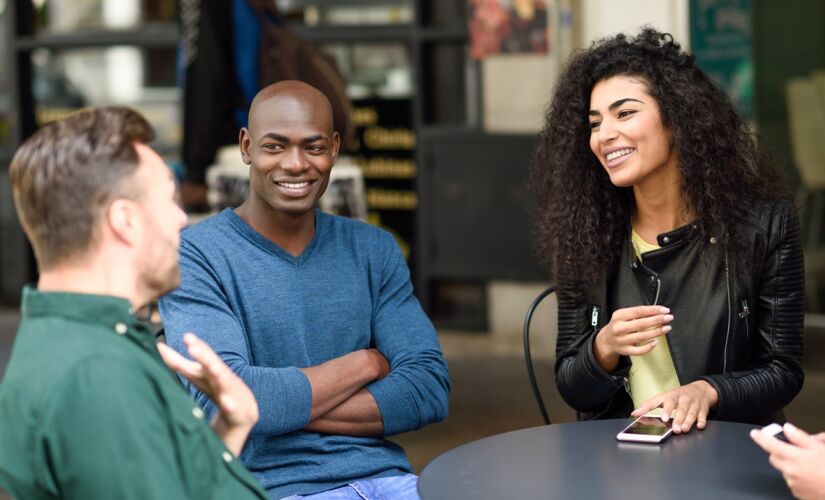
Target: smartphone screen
(648, 426)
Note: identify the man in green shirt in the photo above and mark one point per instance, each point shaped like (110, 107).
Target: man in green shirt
(88, 409)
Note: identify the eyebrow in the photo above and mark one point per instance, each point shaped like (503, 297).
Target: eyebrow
(305, 140)
(615, 105)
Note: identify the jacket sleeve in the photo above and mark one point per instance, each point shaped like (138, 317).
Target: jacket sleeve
(417, 389)
(582, 383)
(776, 375)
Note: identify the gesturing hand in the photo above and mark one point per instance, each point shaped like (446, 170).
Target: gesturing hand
(692, 402)
(802, 462)
(237, 407)
(631, 331)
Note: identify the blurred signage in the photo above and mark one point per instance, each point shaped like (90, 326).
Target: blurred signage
(385, 155)
(721, 32)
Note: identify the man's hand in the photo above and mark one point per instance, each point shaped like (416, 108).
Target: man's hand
(692, 402)
(802, 462)
(237, 408)
(631, 331)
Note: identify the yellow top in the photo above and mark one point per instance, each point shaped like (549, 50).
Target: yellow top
(652, 373)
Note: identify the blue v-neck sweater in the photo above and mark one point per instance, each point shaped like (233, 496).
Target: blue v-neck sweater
(268, 313)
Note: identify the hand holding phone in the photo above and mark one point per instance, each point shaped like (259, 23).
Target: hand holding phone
(646, 429)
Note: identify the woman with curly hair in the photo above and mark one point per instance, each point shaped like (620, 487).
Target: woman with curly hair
(677, 259)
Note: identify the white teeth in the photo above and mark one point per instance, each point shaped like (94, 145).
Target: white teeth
(621, 152)
(293, 185)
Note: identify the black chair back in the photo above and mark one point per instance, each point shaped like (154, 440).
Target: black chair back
(528, 318)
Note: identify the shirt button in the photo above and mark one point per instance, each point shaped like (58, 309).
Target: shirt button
(197, 412)
(633, 265)
(666, 239)
(121, 328)
(227, 457)
(713, 240)
(652, 279)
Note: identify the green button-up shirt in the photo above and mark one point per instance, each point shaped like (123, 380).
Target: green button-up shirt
(89, 410)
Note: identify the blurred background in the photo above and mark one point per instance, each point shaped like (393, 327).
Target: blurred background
(444, 99)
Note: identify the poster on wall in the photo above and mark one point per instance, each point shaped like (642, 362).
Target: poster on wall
(507, 27)
(721, 33)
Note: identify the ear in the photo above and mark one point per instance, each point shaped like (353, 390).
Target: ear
(245, 140)
(123, 221)
(336, 146)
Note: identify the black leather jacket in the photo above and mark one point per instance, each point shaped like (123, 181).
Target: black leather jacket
(737, 321)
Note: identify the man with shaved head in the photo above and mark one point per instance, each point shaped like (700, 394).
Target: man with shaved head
(315, 313)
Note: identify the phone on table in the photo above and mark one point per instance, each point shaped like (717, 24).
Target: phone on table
(646, 429)
(775, 430)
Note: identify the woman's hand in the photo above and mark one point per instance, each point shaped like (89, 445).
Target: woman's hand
(691, 404)
(632, 331)
(237, 407)
(801, 461)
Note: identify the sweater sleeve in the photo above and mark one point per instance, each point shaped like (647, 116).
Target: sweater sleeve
(200, 306)
(416, 391)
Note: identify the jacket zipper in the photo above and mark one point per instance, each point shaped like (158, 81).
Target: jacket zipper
(744, 315)
(730, 313)
(658, 289)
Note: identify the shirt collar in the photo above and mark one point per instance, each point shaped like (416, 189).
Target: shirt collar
(88, 308)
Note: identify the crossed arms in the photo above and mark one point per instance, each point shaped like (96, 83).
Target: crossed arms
(397, 383)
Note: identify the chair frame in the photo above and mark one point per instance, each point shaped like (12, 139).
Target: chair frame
(531, 374)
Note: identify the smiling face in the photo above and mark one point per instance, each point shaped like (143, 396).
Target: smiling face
(291, 147)
(626, 132)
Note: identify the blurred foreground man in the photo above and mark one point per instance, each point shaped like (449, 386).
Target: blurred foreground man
(87, 407)
(312, 310)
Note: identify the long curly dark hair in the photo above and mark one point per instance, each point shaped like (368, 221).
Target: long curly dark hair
(581, 218)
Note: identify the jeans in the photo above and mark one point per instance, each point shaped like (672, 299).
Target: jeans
(382, 488)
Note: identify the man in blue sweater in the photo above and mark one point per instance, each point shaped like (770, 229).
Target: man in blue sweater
(314, 312)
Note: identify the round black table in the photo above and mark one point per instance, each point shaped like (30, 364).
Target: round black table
(584, 460)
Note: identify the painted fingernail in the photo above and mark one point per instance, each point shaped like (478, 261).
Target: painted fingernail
(664, 310)
(667, 328)
(668, 317)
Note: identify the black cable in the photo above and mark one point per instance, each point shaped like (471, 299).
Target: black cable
(527, 356)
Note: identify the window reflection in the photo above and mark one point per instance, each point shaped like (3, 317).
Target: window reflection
(60, 16)
(66, 80)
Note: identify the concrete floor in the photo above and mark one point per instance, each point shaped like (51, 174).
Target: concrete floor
(491, 393)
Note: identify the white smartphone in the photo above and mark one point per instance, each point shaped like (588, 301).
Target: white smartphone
(646, 429)
(775, 430)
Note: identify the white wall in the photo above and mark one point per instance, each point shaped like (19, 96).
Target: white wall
(517, 88)
(600, 18)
